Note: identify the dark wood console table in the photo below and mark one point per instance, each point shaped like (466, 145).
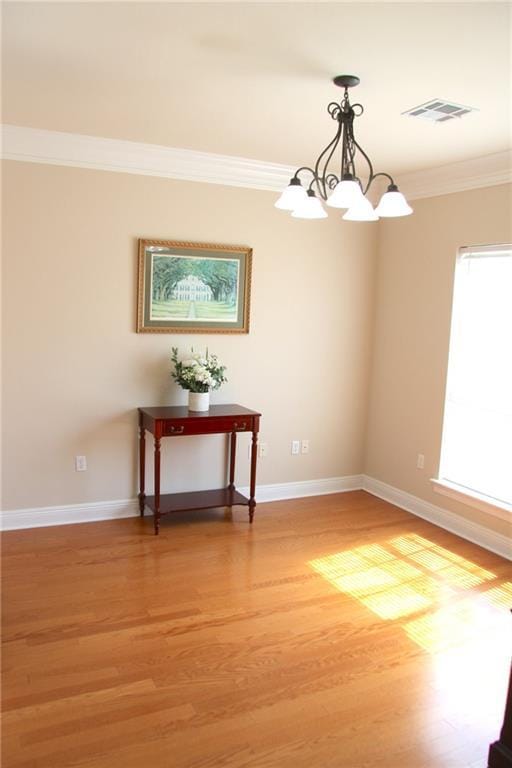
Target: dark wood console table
(174, 421)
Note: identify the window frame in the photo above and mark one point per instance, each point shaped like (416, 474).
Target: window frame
(441, 485)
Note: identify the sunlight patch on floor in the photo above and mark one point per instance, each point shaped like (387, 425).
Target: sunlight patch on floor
(412, 575)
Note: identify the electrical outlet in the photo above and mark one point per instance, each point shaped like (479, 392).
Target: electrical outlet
(263, 451)
(304, 446)
(295, 447)
(80, 463)
(420, 462)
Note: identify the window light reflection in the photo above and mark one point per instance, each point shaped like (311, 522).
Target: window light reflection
(408, 575)
(500, 596)
(439, 631)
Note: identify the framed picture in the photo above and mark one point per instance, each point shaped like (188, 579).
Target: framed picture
(193, 287)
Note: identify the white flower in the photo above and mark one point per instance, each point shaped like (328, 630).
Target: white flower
(198, 372)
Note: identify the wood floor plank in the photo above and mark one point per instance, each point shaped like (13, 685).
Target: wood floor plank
(336, 631)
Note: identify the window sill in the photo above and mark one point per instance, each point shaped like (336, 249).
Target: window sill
(473, 499)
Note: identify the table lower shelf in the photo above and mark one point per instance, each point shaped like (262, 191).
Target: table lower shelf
(183, 502)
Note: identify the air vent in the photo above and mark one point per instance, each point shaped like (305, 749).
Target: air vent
(439, 111)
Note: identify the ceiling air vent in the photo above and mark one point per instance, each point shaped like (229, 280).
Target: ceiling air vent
(439, 111)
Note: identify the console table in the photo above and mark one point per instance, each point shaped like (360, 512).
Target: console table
(178, 421)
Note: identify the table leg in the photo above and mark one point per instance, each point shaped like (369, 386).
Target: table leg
(157, 485)
(142, 469)
(232, 459)
(254, 454)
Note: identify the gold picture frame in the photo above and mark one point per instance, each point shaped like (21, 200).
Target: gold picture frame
(193, 287)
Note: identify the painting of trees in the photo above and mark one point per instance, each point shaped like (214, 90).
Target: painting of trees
(167, 272)
(220, 274)
(193, 287)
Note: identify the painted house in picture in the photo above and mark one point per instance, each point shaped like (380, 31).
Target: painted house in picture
(192, 288)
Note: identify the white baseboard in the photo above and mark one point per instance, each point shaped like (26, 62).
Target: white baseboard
(40, 517)
(111, 510)
(478, 534)
(281, 491)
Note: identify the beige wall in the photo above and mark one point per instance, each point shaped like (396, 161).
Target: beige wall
(75, 370)
(412, 324)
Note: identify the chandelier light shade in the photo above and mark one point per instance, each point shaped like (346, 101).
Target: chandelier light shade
(393, 203)
(334, 177)
(361, 210)
(345, 194)
(310, 207)
(292, 196)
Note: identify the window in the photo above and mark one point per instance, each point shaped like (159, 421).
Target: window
(476, 454)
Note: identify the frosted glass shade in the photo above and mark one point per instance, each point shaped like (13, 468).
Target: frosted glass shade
(393, 203)
(310, 208)
(346, 193)
(292, 196)
(362, 210)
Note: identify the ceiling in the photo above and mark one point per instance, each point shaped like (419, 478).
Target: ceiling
(254, 79)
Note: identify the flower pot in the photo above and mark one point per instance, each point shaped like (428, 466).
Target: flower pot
(198, 401)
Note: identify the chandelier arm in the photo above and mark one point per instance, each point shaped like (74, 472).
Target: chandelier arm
(391, 180)
(320, 180)
(303, 168)
(370, 166)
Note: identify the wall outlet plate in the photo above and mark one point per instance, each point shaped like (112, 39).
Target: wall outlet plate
(80, 463)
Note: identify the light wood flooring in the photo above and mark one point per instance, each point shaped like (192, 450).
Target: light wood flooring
(337, 632)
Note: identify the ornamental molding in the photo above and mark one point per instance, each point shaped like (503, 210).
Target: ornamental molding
(36, 145)
(478, 172)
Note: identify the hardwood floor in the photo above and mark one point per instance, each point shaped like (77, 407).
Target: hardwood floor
(337, 631)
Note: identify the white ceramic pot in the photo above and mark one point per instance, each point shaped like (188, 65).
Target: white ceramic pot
(198, 401)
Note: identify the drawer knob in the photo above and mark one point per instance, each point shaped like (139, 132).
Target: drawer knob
(178, 430)
(239, 427)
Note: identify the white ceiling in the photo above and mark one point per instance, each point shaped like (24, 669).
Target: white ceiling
(254, 80)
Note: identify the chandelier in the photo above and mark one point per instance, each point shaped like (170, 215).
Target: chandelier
(346, 189)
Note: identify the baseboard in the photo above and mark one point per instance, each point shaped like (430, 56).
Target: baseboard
(40, 517)
(111, 510)
(478, 534)
(281, 491)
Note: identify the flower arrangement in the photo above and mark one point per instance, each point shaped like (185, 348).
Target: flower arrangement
(197, 373)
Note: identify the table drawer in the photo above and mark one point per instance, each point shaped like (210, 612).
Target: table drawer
(202, 426)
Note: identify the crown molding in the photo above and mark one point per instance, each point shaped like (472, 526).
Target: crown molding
(36, 145)
(487, 171)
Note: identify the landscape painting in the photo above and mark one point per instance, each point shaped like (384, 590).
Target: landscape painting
(193, 287)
